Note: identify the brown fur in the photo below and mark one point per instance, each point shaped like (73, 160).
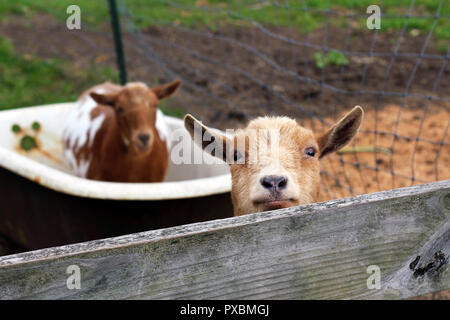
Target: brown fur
(117, 152)
(301, 170)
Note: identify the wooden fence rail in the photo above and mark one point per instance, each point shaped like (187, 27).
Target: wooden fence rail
(330, 250)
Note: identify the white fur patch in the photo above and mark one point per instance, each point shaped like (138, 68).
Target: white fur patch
(79, 130)
(136, 84)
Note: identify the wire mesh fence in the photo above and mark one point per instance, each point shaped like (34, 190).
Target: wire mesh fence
(243, 59)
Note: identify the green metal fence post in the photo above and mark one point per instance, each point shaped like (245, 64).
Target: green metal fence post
(115, 24)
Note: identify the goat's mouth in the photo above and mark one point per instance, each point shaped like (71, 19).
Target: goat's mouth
(143, 147)
(267, 205)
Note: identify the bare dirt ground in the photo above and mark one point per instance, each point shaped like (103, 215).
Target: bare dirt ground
(237, 73)
(409, 162)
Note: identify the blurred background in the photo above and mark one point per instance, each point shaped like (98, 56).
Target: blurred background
(238, 59)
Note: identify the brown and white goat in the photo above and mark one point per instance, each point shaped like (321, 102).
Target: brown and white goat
(117, 133)
(274, 162)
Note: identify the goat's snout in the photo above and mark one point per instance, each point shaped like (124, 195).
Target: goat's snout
(274, 183)
(143, 141)
(144, 138)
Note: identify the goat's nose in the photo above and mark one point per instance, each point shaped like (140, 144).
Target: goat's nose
(144, 137)
(274, 183)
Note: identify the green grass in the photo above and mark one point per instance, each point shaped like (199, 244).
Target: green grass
(92, 11)
(333, 58)
(27, 80)
(214, 13)
(187, 13)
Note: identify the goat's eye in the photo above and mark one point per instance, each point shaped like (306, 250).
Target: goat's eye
(310, 152)
(119, 110)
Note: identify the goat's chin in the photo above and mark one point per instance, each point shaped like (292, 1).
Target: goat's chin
(273, 204)
(140, 150)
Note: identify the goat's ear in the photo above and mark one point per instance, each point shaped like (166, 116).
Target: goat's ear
(341, 133)
(167, 89)
(104, 98)
(209, 140)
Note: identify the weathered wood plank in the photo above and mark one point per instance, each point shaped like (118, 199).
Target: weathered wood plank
(317, 251)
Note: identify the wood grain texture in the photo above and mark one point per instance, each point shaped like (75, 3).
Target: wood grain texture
(318, 251)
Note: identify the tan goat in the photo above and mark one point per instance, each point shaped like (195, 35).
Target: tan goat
(274, 162)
